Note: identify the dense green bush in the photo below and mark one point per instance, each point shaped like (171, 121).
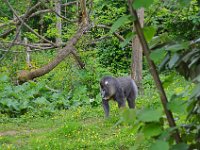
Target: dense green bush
(114, 56)
(179, 22)
(66, 86)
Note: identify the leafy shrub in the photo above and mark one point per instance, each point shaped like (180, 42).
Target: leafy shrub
(30, 96)
(76, 88)
(113, 56)
(180, 22)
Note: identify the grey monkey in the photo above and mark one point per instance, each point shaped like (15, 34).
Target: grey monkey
(118, 89)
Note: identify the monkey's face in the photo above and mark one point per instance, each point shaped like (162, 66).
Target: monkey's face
(106, 90)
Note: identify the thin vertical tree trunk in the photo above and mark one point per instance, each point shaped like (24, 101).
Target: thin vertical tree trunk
(18, 29)
(28, 54)
(18, 35)
(58, 22)
(84, 12)
(136, 71)
(154, 72)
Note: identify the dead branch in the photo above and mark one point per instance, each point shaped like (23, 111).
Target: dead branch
(63, 53)
(39, 12)
(77, 58)
(15, 20)
(115, 33)
(52, 10)
(33, 45)
(6, 33)
(5, 50)
(27, 26)
(93, 42)
(31, 51)
(69, 3)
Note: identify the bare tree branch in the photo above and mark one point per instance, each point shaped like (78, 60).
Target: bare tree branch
(5, 14)
(69, 3)
(35, 50)
(9, 51)
(39, 12)
(22, 16)
(63, 53)
(33, 45)
(26, 25)
(6, 33)
(115, 33)
(98, 40)
(77, 57)
(52, 10)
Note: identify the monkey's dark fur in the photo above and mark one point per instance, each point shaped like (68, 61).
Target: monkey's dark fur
(118, 89)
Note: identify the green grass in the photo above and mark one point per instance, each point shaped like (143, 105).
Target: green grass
(80, 128)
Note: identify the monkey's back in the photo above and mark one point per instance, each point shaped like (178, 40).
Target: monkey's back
(128, 85)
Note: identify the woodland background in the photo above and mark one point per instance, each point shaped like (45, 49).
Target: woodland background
(54, 52)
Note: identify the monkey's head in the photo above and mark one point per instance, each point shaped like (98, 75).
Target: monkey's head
(107, 87)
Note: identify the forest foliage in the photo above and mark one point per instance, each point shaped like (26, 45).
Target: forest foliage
(171, 29)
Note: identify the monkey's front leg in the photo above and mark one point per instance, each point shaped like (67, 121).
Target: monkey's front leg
(121, 103)
(105, 107)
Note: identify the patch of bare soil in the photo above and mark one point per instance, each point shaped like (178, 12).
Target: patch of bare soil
(14, 132)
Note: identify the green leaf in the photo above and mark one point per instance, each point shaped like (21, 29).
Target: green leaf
(129, 37)
(178, 47)
(169, 80)
(197, 79)
(193, 61)
(157, 54)
(129, 115)
(149, 32)
(184, 2)
(140, 138)
(158, 40)
(188, 56)
(121, 21)
(165, 135)
(142, 3)
(149, 115)
(152, 129)
(173, 60)
(180, 146)
(177, 106)
(195, 91)
(10, 103)
(159, 145)
(4, 78)
(41, 101)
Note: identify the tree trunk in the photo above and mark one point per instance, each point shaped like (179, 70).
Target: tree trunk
(136, 71)
(28, 54)
(58, 22)
(154, 72)
(84, 12)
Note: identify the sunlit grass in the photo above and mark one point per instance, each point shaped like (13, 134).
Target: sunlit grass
(80, 128)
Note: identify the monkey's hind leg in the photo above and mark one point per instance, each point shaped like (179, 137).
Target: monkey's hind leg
(131, 100)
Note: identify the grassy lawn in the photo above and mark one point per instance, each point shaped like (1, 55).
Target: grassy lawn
(78, 128)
